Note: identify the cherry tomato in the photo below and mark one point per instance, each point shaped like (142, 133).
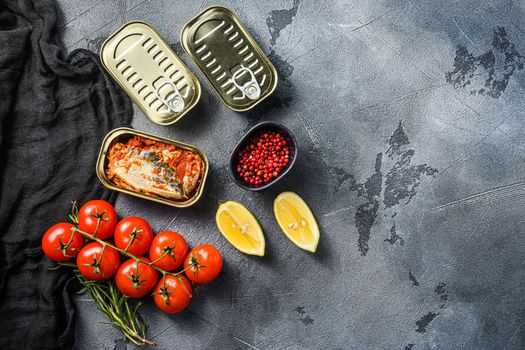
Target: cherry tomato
(60, 244)
(172, 246)
(88, 218)
(172, 294)
(136, 279)
(203, 264)
(95, 264)
(136, 229)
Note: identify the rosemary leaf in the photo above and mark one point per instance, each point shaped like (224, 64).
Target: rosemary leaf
(115, 306)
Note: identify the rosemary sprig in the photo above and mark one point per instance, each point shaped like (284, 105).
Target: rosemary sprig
(112, 303)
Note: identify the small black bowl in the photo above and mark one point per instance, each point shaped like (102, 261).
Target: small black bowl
(264, 126)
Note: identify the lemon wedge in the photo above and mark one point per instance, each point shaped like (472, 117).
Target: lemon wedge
(240, 228)
(296, 220)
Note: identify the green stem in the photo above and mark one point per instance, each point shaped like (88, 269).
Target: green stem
(133, 236)
(99, 219)
(159, 258)
(116, 308)
(101, 254)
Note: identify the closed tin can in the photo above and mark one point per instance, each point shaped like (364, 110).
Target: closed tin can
(122, 135)
(150, 72)
(229, 57)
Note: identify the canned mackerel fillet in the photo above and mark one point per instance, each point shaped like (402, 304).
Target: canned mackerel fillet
(152, 167)
(229, 57)
(150, 72)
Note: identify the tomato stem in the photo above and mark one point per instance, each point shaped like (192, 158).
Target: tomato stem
(135, 277)
(98, 262)
(133, 235)
(74, 213)
(159, 258)
(99, 220)
(194, 263)
(65, 247)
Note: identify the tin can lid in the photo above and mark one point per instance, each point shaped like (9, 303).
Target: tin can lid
(232, 62)
(150, 72)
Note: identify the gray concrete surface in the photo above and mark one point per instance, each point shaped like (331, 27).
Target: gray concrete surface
(409, 116)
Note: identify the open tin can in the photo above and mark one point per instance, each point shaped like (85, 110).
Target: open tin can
(150, 72)
(233, 63)
(123, 135)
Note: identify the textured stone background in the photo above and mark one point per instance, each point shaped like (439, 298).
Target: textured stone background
(409, 117)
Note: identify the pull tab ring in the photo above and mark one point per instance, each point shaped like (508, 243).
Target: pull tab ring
(174, 103)
(251, 89)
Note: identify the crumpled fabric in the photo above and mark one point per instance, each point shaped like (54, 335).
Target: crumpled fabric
(54, 114)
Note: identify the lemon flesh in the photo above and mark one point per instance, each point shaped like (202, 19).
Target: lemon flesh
(296, 220)
(240, 228)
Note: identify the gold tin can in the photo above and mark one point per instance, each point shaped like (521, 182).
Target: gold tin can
(150, 72)
(229, 57)
(123, 134)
